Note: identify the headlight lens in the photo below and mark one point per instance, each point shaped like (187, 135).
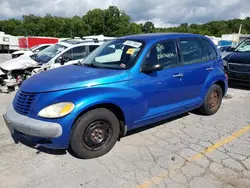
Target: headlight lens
(57, 110)
(224, 63)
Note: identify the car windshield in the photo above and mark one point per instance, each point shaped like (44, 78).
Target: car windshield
(47, 54)
(34, 47)
(115, 54)
(244, 46)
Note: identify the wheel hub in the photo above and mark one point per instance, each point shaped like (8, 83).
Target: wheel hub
(213, 100)
(97, 134)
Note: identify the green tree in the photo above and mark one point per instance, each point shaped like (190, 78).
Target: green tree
(110, 22)
(148, 27)
(95, 19)
(116, 22)
(134, 28)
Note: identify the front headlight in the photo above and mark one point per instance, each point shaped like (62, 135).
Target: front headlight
(224, 63)
(57, 110)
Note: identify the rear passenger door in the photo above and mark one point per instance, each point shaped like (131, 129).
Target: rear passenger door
(198, 58)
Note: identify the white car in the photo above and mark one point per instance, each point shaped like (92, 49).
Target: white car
(31, 51)
(63, 53)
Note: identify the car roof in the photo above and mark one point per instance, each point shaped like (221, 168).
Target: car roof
(158, 36)
(69, 43)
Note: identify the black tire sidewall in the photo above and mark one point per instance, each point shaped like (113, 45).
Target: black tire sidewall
(76, 140)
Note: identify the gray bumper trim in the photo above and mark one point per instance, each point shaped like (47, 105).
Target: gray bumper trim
(31, 126)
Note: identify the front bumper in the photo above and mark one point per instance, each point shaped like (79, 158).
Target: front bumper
(241, 77)
(31, 127)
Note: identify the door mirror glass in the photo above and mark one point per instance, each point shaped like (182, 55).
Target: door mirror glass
(151, 68)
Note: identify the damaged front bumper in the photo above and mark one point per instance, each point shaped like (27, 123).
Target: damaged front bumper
(11, 80)
(8, 83)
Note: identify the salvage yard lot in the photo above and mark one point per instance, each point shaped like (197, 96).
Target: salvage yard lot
(167, 155)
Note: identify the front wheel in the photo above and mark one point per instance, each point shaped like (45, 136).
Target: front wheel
(212, 101)
(94, 133)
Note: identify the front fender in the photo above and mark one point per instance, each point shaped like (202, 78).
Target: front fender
(117, 94)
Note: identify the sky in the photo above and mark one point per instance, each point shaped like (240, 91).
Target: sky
(163, 13)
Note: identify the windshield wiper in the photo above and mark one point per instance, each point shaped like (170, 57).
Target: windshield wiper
(91, 65)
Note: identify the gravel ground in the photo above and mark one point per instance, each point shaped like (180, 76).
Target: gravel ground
(190, 151)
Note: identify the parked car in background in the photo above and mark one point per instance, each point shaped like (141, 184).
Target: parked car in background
(225, 50)
(31, 51)
(237, 63)
(126, 83)
(63, 53)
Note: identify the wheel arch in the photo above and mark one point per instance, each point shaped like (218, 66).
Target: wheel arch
(215, 78)
(119, 113)
(222, 84)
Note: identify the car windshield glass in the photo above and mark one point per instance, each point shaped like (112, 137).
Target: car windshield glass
(115, 54)
(47, 54)
(34, 47)
(244, 46)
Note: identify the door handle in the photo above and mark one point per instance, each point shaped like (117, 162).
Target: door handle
(178, 75)
(210, 68)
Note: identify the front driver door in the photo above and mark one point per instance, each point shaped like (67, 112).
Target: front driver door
(159, 92)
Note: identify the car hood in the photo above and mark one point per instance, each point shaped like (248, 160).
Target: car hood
(29, 52)
(72, 76)
(224, 54)
(21, 62)
(238, 57)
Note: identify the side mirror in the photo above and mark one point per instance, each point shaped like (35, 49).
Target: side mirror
(232, 49)
(59, 60)
(151, 68)
(62, 60)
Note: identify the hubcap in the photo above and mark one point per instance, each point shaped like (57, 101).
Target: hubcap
(97, 134)
(213, 101)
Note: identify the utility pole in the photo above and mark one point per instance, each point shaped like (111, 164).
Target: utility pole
(238, 40)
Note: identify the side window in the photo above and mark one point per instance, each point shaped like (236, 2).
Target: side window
(92, 48)
(208, 50)
(43, 47)
(163, 53)
(191, 50)
(67, 55)
(78, 52)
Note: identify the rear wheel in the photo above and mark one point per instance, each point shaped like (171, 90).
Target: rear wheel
(213, 100)
(94, 133)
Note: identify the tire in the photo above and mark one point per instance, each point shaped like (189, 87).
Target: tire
(88, 138)
(212, 101)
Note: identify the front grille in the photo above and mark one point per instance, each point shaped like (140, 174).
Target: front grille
(241, 68)
(23, 102)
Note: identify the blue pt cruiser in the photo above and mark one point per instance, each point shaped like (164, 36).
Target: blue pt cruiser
(124, 84)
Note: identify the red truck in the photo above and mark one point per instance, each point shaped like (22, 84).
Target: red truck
(29, 42)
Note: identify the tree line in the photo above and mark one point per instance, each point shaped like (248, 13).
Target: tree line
(110, 22)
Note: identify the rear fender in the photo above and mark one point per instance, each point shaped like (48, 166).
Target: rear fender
(214, 76)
